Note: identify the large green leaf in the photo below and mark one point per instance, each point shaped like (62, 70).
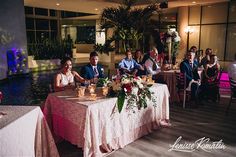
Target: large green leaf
(120, 101)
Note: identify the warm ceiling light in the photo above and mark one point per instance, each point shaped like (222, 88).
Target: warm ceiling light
(193, 2)
(96, 9)
(57, 4)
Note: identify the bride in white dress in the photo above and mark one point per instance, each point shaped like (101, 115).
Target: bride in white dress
(66, 77)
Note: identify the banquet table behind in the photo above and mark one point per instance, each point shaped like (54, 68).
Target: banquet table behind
(170, 79)
(24, 132)
(97, 126)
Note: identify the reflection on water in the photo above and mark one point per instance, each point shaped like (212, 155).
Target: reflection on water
(28, 89)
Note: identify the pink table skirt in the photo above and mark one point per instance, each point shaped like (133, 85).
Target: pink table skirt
(96, 126)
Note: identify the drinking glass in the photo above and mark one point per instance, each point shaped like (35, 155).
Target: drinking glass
(81, 91)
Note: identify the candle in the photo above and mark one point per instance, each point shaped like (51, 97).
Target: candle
(144, 78)
(92, 88)
(80, 92)
(93, 96)
(104, 91)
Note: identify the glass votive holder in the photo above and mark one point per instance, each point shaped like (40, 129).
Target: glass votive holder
(144, 78)
(92, 88)
(80, 91)
(93, 96)
(104, 91)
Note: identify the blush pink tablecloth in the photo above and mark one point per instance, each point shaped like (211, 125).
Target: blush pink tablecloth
(96, 126)
(24, 132)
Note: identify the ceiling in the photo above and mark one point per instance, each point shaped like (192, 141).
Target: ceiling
(96, 6)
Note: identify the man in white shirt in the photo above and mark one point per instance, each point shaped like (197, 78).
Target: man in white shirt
(232, 69)
(153, 68)
(151, 64)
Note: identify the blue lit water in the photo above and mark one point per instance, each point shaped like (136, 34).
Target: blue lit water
(30, 89)
(26, 90)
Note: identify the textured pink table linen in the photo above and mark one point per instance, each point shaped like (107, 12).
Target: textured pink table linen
(96, 126)
(25, 133)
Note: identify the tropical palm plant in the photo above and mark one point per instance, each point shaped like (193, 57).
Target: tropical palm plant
(129, 24)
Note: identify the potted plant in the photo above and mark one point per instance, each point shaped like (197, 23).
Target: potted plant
(129, 25)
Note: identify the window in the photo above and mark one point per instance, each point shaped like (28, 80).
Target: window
(29, 10)
(231, 40)
(53, 12)
(39, 28)
(213, 36)
(53, 25)
(41, 11)
(42, 24)
(213, 26)
(86, 34)
(30, 36)
(29, 23)
(194, 15)
(216, 13)
(232, 11)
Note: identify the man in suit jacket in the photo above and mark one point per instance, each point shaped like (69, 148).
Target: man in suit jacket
(190, 68)
(93, 70)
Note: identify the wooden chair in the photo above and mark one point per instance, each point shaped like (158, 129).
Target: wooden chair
(181, 87)
(233, 93)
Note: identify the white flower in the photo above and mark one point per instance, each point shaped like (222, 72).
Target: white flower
(176, 39)
(140, 85)
(168, 40)
(134, 91)
(125, 81)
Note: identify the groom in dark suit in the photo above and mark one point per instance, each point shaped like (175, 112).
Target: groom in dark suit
(190, 68)
(93, 70)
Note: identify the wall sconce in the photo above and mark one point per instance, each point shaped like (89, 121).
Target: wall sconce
(188, 30)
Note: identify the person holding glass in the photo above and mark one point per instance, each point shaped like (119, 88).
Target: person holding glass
(65, 79)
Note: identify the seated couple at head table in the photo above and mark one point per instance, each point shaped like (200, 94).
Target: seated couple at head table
(65, 78)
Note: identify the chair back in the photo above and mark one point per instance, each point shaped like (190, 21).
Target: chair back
(232, 85)
(219, 75)
(181, 80)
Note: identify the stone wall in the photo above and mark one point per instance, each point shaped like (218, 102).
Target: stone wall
(12, 31)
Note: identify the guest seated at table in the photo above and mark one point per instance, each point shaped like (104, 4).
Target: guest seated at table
(209, 87)
(138, 57)
(65, 78)
(153, 68)
(232, 69)
(206, 58)
(195, 51)
(192, 77)
(93, 70)
(128, 65)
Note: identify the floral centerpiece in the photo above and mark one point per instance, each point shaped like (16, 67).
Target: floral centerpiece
(134, 89)
(171, 41)
(103, 82)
